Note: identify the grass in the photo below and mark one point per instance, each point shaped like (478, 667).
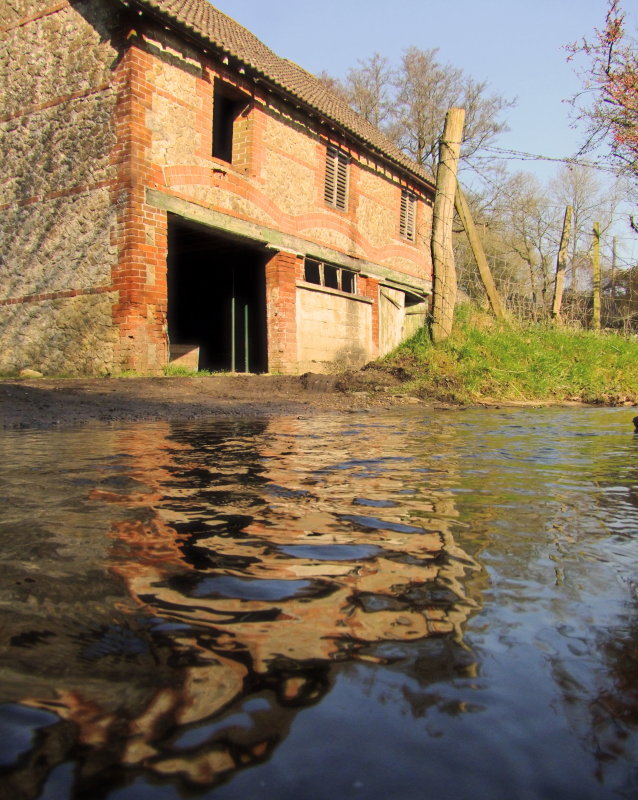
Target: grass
(177, 371)
(488, 360)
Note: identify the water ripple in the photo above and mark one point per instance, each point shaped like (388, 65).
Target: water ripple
(183, 601)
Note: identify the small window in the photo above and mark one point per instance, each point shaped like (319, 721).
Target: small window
(312, 272)
(336, 186)
(228, 104)
(408, 215)
(347, 281)
(330, 276)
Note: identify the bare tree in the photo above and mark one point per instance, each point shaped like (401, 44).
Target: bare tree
(425, 89)
(592, 201)
(369, 88)
(409, 103)
(494, 209)
(531, 233)
(424, 92)
(521, 225)
(334, 85)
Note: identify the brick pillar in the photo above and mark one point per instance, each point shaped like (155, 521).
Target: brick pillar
(282, 272)
(140, 275)
(369, 287)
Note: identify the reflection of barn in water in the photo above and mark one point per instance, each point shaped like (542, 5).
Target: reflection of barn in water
(251, 575)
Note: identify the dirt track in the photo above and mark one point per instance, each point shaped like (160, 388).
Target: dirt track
(44, 402)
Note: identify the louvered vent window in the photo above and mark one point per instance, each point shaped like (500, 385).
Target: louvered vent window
(336, 189)
(408, 215)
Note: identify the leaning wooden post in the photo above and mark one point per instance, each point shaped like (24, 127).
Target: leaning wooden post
(463, 210)
(595, 265)
(444, 288)
(561, 264)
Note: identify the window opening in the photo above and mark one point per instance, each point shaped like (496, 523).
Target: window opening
(413, 300)
(347, 281)
(336, 184)
(407, 215)
(330, 276)
(227, 107)
(312, 272)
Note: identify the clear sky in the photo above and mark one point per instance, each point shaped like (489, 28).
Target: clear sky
(517, 46)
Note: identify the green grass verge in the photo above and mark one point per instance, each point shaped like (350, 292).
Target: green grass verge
(488, 360)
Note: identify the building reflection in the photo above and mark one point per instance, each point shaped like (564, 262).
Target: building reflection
(256, 558)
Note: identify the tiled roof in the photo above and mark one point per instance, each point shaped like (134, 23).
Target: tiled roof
(215, 28)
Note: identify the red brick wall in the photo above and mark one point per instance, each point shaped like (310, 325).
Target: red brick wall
(282, 272)
(277, 175)
(260, 186)
(140, 276)
(369, 287)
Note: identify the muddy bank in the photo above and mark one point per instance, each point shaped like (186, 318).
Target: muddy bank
(45, 402)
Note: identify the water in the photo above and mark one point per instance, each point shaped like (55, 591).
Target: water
(395, 605)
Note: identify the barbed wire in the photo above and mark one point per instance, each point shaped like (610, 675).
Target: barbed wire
(614, 215)
(508, 154)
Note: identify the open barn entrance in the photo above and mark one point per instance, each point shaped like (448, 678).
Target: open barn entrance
(216, 299)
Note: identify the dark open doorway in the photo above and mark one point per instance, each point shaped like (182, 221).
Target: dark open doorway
(216, 297)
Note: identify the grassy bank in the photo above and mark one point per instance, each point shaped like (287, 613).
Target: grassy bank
(488, 360)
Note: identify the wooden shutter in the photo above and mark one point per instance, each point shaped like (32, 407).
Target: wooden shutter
(407, 216)
(336, 186)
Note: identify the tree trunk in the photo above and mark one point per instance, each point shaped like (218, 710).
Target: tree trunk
(595, 265)
(444, 289)
(561, 264)
(463, 210)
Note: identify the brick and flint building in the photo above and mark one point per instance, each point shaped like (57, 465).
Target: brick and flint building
(173, 190)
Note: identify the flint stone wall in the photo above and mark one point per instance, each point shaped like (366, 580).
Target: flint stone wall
(65, 336)
(57, 220)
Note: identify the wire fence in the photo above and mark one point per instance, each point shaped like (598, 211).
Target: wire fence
(618, 305)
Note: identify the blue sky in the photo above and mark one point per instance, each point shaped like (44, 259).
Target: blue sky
(517, 46)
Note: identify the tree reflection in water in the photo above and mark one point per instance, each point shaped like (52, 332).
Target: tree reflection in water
(614, 709)
(235, 567)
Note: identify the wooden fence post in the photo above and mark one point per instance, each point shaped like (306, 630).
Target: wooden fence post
(595, 265)
(561, 264)
(463, 210)
(444, 289)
